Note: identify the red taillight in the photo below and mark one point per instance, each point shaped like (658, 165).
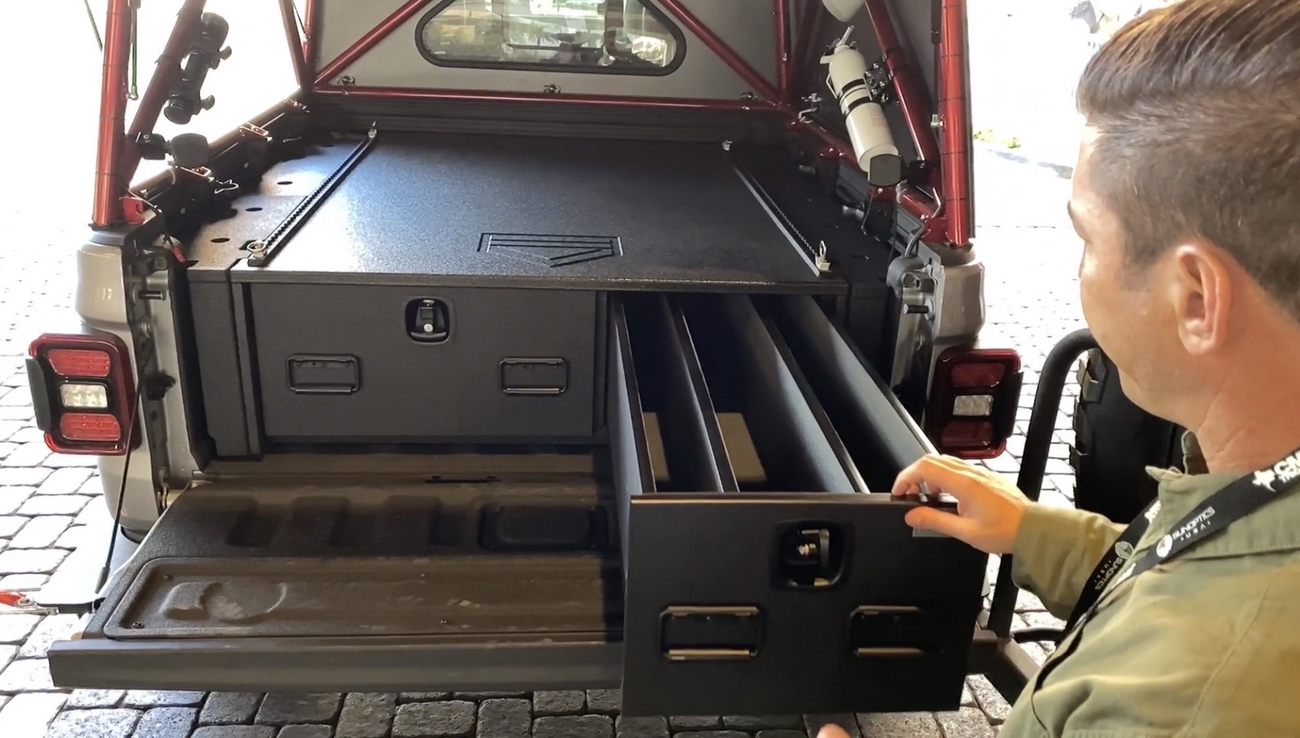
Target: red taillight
(981, 374)
(82, 392)
(96, 427)
(973, 402)
(80, 362)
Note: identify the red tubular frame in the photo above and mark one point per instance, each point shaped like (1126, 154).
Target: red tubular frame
(309, 29)
(915, 105)
(166, 73)
(112, 115)
(955, 223)
(370, 39)
(954, 112)
(290, 18)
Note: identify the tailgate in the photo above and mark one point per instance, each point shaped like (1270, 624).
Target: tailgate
(377, 587)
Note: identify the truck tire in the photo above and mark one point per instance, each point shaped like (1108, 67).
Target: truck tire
(1114, 442)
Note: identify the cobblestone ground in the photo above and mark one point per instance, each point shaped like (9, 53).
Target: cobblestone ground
(45, 500)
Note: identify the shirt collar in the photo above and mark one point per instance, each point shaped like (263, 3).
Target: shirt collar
(1273, 528)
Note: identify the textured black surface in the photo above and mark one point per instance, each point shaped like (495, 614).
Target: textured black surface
(302, 587)
(416, 391)
(218, 367)
(419, 207)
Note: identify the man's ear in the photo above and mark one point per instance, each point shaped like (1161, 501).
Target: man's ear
(1201, 297)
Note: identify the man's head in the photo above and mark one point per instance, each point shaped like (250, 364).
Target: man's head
(1187, 196)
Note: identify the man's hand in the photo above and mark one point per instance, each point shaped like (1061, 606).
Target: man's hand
(833, 731)
(989, 508)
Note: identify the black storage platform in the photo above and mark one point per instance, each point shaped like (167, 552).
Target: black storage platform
(522, 211)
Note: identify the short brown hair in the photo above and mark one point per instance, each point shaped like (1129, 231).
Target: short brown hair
(1197, 109)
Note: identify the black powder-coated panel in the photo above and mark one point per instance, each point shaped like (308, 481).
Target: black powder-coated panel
(218, 367)
(799, 653)
(414, 391)
(544, 212)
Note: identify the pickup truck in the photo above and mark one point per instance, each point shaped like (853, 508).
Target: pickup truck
(541, 344)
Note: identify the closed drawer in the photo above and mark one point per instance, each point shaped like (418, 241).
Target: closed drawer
(371, 363)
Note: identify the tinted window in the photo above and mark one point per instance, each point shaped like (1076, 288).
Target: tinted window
(614, 36)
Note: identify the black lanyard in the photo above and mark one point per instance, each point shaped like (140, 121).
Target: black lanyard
(1232, 503)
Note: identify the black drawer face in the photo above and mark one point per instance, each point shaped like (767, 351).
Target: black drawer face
(368, 363)
(765, 574)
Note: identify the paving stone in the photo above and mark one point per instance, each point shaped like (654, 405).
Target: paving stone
(73, 537)
(95, 698)
(782, 734)
(990, 699)
(41, 532)
(849, 723)
(7, 654)
(504, 718)
(967, 722)
(53, 505)
(144, 698)
(8, 428)
(574, 726)
(486, 695)
(7, 448)
(283, 708)
(608, 701)
(306, 731)
(695, 722)
(909, 724)
(51, 629)
(12, 498)
(30, 715)
(65, 481)
(166, 722)
(406, 697)
(14, 628)
(63, 461)
(23, 582)
(26, 675)
(565, 702)
(28, 434)
(30, 561)
(94, 724)
(234, 731)
(747, 722)
(366, 715)
(18, 476)
(714, 734)
(434, 720)
(229, 708)
(967, 696)
(28, 454)
(642, 727)
(11, 524)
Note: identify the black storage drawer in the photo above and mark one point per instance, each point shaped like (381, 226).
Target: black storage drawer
(368, 363)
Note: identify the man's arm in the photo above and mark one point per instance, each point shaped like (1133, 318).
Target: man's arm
(1056, 550)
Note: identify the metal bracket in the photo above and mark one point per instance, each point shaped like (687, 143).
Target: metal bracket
(263, 250)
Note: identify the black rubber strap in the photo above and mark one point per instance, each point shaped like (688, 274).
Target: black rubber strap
(1239, 499)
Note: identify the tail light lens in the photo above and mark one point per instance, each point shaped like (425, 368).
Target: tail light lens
(83, 393)
(973, 402)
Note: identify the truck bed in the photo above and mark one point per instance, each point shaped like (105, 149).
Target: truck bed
(519, 212)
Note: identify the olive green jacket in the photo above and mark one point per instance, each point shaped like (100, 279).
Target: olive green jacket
(1207, 644)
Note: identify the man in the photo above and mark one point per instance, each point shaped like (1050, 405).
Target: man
(1187, 197)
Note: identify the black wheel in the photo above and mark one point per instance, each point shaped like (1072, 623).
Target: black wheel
(1114, 442)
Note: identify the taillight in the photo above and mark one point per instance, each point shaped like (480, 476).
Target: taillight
(973, 402)
(82, 392)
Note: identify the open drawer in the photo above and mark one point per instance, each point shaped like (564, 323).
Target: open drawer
(800, 588)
